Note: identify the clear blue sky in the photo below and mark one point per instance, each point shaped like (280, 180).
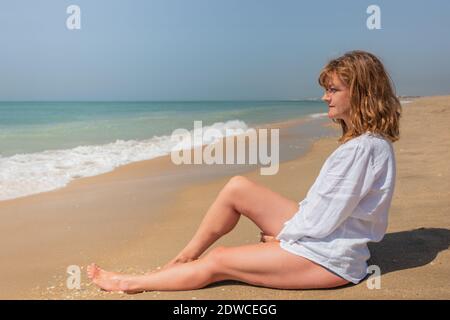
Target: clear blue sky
(212, 49)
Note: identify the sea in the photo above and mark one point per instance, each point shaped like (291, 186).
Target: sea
(45, 145)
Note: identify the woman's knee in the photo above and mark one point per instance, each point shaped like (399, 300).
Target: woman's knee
(236, 182)
(236, 185)
(216, 264)
(216, 257)
(216, 252)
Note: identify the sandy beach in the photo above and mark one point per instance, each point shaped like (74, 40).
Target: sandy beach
(124, 221)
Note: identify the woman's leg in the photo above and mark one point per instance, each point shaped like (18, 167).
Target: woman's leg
(240, 196)
(262, 264)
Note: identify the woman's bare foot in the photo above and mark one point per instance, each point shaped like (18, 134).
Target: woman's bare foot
(109, 281)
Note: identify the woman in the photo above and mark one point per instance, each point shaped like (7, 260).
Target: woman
(320, 242)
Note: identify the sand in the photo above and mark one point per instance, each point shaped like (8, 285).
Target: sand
(120, 221)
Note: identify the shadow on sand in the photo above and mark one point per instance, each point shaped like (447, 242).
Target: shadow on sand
(408, 249)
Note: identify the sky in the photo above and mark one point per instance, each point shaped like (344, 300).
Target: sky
(212, 49)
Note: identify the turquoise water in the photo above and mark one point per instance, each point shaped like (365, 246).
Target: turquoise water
(27, 127)
(45, 145)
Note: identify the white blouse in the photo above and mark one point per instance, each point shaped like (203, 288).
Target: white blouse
(345, 208)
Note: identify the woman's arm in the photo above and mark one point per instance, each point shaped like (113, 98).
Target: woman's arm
(347, 178)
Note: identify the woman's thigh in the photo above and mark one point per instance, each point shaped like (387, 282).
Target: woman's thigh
(268, 265)
(266, 208)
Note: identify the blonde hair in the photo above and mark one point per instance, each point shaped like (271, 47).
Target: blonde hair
(374, 106)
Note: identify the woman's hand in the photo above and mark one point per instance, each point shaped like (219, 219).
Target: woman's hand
(266, 238)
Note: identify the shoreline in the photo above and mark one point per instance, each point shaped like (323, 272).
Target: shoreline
(283, 125)
(94, 218)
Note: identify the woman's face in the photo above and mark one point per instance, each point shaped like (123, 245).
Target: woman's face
(337, 96)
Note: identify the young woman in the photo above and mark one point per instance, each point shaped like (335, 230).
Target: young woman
(320, 242)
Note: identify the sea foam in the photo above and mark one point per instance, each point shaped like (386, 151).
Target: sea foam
(318, 115)
(31, 173)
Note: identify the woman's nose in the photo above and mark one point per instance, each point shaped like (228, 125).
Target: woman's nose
(326, 97)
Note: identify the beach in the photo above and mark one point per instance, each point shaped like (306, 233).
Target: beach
(124, 221)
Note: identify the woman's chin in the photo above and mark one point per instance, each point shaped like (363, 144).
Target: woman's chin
(333, 116)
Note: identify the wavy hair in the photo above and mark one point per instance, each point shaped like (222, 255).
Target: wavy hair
(374, 105)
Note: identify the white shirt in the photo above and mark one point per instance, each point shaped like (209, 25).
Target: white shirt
(346, 207)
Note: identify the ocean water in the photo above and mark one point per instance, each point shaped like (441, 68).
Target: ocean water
(45, 145)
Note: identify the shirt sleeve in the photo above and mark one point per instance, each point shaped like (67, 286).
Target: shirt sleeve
(334, 196)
